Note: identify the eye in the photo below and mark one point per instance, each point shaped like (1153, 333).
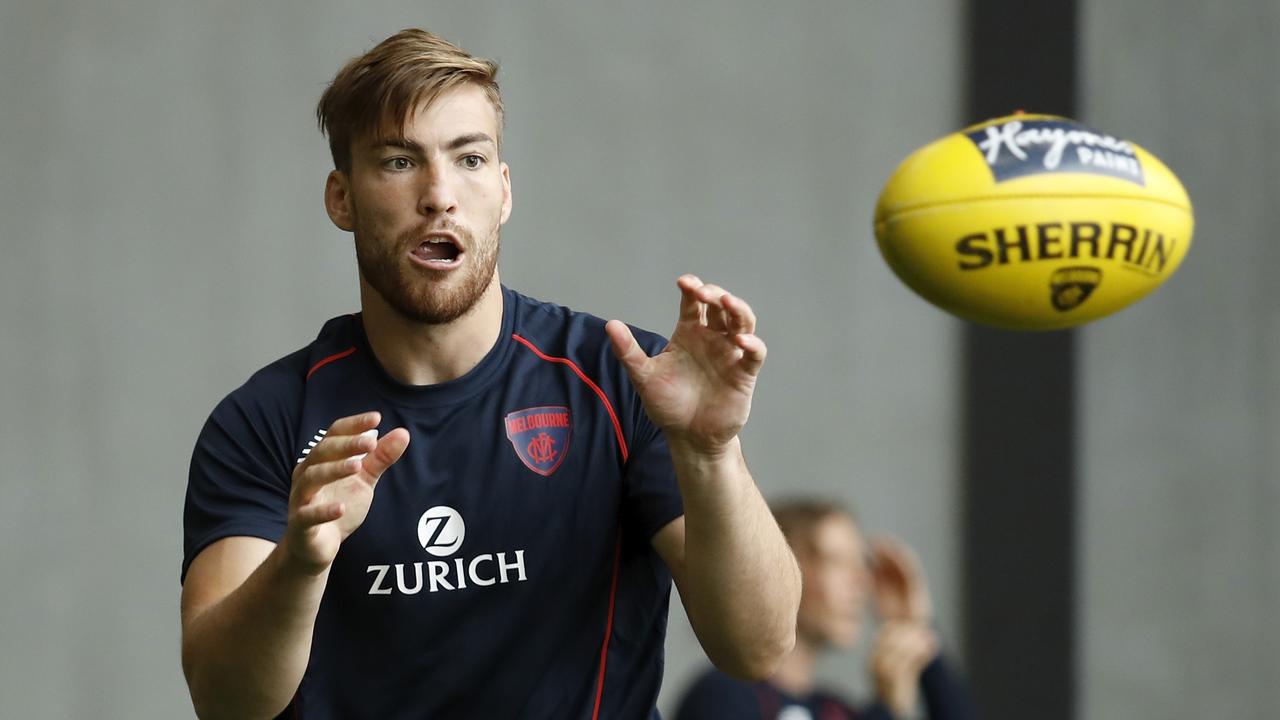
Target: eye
(472, 162)
(398, 163)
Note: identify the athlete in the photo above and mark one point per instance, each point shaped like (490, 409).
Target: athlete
(840, 573)
(462, 502)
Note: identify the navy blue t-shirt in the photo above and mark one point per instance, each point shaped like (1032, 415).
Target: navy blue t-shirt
(716, 696)
(505, 567)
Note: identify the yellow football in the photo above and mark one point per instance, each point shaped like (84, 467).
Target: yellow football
(1033, 222)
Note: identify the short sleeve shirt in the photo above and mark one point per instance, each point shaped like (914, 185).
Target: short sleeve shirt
(505, 567)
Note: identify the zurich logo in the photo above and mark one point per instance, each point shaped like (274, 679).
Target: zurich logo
(441, 530)
(440, 533)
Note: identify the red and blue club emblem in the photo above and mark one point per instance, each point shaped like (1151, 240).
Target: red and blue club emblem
(540, 436)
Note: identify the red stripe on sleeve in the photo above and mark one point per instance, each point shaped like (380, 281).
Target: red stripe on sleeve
(331, 358)
(617, 427)
(608, 627)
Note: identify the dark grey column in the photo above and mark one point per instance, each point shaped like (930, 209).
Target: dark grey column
(1019, 418)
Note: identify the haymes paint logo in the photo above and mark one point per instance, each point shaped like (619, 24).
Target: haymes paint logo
(1030, 147)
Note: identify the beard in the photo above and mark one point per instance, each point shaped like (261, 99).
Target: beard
(411, 290)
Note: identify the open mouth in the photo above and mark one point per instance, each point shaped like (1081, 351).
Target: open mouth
(438, 252)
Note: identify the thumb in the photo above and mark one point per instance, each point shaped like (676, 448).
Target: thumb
(629, 352)
(385, 454)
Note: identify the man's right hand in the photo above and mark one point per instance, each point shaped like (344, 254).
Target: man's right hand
(901, 592)
(249, 605)
(906, 643)
(333, 487)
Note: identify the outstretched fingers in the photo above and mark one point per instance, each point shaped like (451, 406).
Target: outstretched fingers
(313, 475)
(691, 308)
(714, 314)
(350, 445)
(702, 303)
(714, 306)
(340, 447)
(346, 437)
(740, 318)
(310, 479)
(753, 352)
(725, 313)
(355, 424)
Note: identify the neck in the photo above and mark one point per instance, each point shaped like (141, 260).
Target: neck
(795, 676)
(417, 353)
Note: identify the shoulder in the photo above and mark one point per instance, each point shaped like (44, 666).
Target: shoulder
(566, 332)
(546, 333)
(274, 394)
(944, 691)
(714, 695)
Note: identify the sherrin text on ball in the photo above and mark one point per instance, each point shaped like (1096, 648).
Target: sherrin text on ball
(1033, 222)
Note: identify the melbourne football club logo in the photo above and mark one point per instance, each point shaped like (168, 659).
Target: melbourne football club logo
(441, 530)
(540, 436)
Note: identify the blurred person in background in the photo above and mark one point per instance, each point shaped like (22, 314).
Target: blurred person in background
(840, 573)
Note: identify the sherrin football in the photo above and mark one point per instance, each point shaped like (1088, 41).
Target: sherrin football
(1033, 222)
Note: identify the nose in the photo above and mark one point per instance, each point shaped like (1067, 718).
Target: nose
(437, 194)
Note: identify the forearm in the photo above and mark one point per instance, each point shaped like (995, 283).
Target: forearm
(244, 656)
(741, 584)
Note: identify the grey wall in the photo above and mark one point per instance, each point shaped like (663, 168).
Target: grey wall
(163, 237)
(1180, 564)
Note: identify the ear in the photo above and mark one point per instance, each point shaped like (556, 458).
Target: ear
(506, 194)
(337, 200)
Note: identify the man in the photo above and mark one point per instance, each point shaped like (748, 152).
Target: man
(456, 503)
(839, 573)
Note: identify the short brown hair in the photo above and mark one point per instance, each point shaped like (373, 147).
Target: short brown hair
(797, 517)
(376, 92)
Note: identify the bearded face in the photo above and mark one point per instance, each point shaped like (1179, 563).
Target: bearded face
(426, 207)
(417, 290)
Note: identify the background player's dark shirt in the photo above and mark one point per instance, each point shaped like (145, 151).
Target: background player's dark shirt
(553, 605)
(716, 696)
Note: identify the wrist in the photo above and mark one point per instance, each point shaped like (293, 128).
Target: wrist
(689, 450)
(292, 563)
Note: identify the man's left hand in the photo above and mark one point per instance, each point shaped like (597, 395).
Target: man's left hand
(698, 389)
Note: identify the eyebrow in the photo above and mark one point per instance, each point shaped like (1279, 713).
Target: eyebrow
(458, 142)
(400, 142)
(464, 140)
